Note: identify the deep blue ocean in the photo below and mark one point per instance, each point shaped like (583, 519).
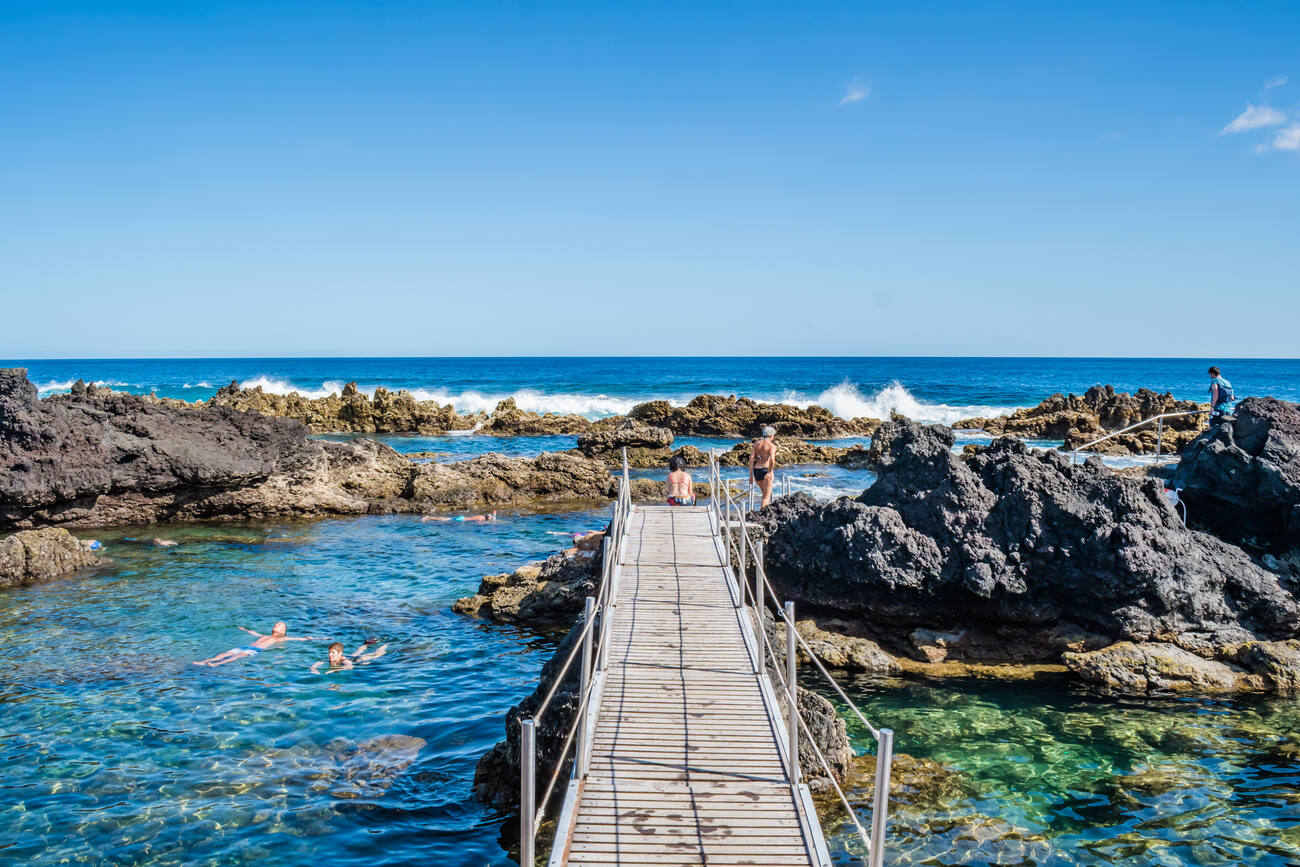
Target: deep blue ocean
(926, 389)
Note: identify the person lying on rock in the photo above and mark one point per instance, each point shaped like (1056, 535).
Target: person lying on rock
(762, 463)
(338, 661)
(478, 519)
(279, 635)
(681, 487)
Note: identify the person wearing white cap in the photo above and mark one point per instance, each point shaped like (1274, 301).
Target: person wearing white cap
(762, 463)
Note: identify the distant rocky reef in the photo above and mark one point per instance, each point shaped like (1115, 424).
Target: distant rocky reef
(1078, 420)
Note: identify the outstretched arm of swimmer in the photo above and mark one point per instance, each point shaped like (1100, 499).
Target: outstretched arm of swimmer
(251, 632)
(315, 666)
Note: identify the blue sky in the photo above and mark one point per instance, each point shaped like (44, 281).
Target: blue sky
(383, 178)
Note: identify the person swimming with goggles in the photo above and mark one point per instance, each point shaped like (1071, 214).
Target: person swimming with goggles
(476, 519)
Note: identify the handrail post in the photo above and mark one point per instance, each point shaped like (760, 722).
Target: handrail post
(760, 603)
(744, 543)
(1160, 435)
(793, 696)
(880, 803)
(579, 745)
(527, 792)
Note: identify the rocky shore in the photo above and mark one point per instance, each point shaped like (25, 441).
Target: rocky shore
(1079, 419)
(980, 565)
(100, 458)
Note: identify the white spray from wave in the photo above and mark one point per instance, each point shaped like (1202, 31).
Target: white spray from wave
(54, 386)
(846, 401)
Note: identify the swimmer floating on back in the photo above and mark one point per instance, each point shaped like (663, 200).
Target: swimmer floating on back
(279, 635)
(339, 662)
(477, 519)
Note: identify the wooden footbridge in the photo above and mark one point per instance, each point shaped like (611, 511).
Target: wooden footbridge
(684, 748)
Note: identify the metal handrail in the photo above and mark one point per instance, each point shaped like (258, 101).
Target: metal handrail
(884, 736)
(590, 642)
(1160, 431)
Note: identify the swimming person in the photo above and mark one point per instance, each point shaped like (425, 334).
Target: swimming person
(477, 519)
(339, 662)
(762, 463)
(1221, 397)
(681, 487)
(279, 635)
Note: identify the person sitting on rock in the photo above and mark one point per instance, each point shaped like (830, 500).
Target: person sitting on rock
(477, 519)
(1221, 397)
(339, 662)
(762, 463)
(681, 487)
(279, 635)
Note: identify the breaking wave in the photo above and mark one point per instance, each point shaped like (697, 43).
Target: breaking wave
(846, 401)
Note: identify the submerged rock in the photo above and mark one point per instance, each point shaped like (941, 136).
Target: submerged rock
(39, 555)
(1241, 480)
(1158, 668)
(1012, 538)
(1078, 419)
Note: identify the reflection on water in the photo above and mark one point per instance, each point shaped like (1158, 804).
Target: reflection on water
(1053, 775)
(117, 749)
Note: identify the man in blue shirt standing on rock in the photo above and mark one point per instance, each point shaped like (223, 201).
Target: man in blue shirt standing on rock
(1221, 397)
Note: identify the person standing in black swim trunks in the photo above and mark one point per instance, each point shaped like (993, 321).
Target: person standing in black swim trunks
(762, 463)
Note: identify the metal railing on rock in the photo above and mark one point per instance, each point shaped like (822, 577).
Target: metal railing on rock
(1160, 432)
(591, 645)
(729, 517)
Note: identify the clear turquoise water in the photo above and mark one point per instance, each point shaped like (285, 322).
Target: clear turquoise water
(1055, 775)
(117, 750)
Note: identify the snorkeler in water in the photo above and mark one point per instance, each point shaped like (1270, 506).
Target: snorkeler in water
(477, 519)
(279, 635)
(338, 661)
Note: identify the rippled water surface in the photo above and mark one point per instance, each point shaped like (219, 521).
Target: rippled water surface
(1055, 775)
(117, 749)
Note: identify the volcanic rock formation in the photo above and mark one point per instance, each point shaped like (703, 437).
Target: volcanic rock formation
(1012, 538)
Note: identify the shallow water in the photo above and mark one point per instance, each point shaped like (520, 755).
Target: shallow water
(117, 749)
(1056, 775)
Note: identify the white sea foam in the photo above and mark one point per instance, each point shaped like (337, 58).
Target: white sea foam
(530, 400)
(55, 385)
(274, 385)
(200, 384)
(847, 401)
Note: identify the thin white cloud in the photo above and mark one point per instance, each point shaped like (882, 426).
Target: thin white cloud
(1255, 117)
(1275, 82)
(1287, 139)
(855, 91)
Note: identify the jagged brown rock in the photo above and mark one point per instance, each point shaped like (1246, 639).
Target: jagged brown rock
(350, 411)
(547, 593)
(1078, 419)
(509, 420)
(718, 415)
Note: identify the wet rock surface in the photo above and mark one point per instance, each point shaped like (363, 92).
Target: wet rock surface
(1013, 538)
(1078, 419)
(1241, 480)
(32, 556)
